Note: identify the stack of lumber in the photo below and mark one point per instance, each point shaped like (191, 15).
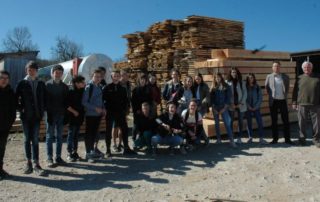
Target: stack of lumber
(179, 43)
(248, 61)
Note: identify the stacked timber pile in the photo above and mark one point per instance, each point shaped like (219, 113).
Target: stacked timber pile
(247, 62)
(180, 43)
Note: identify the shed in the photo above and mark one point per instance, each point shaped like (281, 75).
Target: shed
(312, 56)
(15, 64)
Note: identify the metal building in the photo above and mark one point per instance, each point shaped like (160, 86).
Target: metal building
(15, 64)
(312, 56)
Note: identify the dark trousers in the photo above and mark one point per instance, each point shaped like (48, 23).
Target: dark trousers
(280, 105)
(31, 135)
(121, 122)
(73, 134)
(3, 142)
(92, 127)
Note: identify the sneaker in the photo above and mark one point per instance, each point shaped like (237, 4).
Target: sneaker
(115, 148)
(89, 158)
(70, 158)
(262, 141)
(206, 141)
(119, 148)
(233, 144)
(129, 151)
(98, 153)
(50, 163)
(28, 169)
(182, 150)
(249, 140)
(108, 155)
(239, 141)
(60, 161)
(39, 171)
(76, 156)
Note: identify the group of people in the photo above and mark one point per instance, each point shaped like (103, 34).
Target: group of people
(179, 125)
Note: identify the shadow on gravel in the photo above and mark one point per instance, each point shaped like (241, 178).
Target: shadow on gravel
(122, 170)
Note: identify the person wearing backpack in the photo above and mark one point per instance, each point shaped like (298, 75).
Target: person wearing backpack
(238, 99)
(192, 120)
(75, 115)
(56, 102)
(254, 100)
(94, 110)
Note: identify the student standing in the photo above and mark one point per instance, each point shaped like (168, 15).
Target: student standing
(7, 116)
(30, 95)
(56, 102)
(94, 110)
(75, 116)
(220, 97)
(254, 100)
(238, 99)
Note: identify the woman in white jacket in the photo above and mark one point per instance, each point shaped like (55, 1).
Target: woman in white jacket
(238, 99)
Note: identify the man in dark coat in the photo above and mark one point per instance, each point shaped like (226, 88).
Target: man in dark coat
(7, 116)
(30, 98)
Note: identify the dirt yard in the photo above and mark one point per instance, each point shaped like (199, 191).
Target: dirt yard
(216, 173)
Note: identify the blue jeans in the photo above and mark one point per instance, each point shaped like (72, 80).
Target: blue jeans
(172, 141)
(144, 139)
(227, 123)
(240, 121)
(257, 115)
(56, 125)
(31, 135)
(72, 140)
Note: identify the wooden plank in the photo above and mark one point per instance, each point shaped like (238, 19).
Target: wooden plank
(249, 54)
(215, 63)
(209, 125)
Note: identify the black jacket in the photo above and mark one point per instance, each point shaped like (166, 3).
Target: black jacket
(75, 101)
(175, 122)
(139, 96)
(26, 102)
(115, 99)
(56, 98)
(145, 123)
(7, 108)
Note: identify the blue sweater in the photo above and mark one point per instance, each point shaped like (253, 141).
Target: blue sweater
(95, 100)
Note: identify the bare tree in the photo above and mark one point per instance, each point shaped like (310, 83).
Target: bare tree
(19, 39)
(65, 49)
